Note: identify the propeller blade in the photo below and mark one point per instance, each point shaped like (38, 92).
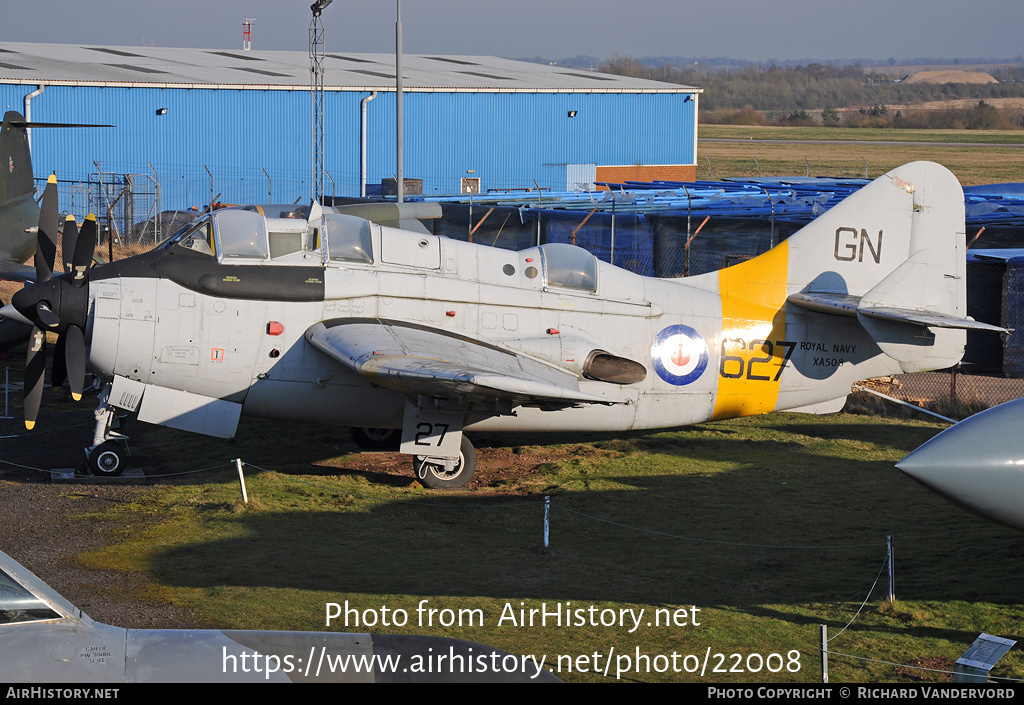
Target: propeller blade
(46, 237)
(35, 369)
(68, 242)
(74, 355)
(46, 316)
(57, 369)
(9, 311)
(84, 249)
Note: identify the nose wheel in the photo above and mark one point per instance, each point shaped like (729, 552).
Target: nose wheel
(108, 456)
(108, 459)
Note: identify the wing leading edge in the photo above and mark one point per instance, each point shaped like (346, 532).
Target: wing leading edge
(415, 359)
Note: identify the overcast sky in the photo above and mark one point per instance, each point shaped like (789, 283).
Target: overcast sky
(743, 29)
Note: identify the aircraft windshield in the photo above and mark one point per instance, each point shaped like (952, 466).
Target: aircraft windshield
(569, 267)
(19, 605)
(196, 236)
(348, 238)
(241, 234)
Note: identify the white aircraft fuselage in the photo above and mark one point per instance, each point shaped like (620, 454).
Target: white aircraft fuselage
(328, 318)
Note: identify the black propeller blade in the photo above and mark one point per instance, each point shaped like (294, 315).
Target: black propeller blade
(68, 241)
(59, 304)
(85, 248)
(46, 237)
(74, 355)
(35, 368)
(59, 366)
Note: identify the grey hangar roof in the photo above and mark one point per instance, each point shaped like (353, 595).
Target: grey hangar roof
(65, 64)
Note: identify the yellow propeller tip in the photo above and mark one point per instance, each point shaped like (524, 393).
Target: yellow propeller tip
(30, 425)
(90, 217)
(76, 397)
(70, 217)
(52, 179)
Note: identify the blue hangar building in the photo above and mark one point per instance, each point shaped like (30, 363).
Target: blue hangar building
(238, 123)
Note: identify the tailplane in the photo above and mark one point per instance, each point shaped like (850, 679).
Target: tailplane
(892, 256)
(16, 181)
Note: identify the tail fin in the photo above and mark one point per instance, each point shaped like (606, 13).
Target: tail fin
(16, 181)
(892, 255)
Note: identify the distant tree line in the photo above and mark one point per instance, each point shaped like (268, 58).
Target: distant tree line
(819, 93)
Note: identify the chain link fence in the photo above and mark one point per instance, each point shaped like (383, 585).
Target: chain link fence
(675, 245)
(659, 244)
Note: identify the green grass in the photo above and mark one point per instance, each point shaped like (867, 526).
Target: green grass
(973, 164)
(861, 134)
(749, 490)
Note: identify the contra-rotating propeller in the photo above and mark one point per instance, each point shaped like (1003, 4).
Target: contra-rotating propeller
(59, 304)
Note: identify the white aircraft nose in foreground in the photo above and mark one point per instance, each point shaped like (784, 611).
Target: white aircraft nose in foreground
(315, 316)
(46, 639)
(977, 463)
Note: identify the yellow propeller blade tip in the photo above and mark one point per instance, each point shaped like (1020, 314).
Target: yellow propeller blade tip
(90, 217)
(52, 179)
(30, 425)
(76, 397)
(70, 217)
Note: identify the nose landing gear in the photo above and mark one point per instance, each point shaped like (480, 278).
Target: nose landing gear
(108, 456)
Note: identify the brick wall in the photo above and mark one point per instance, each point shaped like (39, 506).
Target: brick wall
(647, 172)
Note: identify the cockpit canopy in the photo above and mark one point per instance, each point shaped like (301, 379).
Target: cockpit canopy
(253, 233)
(19, 605)
(569, 267)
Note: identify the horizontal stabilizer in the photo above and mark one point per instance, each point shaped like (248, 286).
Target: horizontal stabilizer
(12, 271)
(825, 302)
(846, 305)
(928, 318)
(23, 123)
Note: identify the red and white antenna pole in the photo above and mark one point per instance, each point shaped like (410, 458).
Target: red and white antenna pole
(246, 30)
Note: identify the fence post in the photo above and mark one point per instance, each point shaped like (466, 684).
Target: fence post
(7, 392)
(611, 258)
(241, 480)
(824, 653)
(547, 519)
(892, 568)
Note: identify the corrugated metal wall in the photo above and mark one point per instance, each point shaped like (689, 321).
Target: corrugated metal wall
(508, 139)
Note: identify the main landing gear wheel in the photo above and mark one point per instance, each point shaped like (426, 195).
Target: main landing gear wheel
(435, 473)
(108, 459)
(377, 438)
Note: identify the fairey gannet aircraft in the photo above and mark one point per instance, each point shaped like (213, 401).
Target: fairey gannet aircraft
(333, 319)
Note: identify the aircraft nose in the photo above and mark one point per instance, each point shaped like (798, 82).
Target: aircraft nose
(978, 463)
(9, 311)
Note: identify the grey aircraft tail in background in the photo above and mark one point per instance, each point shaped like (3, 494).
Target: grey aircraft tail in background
(19, 213)
(977, 463)
(18, 210)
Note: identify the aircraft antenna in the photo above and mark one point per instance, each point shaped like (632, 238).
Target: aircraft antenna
(246, 28)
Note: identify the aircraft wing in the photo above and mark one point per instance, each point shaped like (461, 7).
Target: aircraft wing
(415, 359)
(14, 272)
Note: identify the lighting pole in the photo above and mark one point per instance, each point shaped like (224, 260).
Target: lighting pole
(316, 97)
(398, 104)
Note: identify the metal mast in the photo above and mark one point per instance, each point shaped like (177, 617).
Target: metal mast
(399, 117)
(316, 99)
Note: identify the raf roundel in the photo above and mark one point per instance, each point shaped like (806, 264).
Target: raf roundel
(679, 354)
